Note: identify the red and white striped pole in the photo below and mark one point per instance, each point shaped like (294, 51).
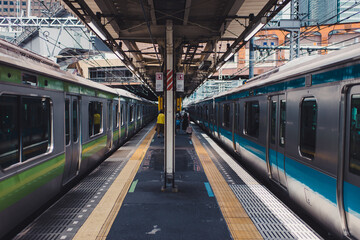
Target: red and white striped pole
(169, 155)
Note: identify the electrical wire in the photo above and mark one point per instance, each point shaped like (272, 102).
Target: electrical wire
(302, 37)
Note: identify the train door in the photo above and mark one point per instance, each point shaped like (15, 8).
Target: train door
(116, 125)
(233, 120)
(72, 138)
(122, 121)
(127, 119)
(109, 125)
(276, 146)
(351, 179)
(218, 119)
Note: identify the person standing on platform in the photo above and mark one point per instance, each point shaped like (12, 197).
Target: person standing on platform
(177, 122)
(160, 123)
(185, 122)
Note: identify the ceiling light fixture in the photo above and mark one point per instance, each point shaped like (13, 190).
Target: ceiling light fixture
(254, 31)
(97, 31)
(117, 53)
(229, 56)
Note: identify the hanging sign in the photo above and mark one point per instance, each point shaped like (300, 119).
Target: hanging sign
(180, 82)
(159, 82)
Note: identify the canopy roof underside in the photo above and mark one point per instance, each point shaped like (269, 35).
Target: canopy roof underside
(136, 29)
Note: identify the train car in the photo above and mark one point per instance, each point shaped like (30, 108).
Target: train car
(299, 126)
(54, 127)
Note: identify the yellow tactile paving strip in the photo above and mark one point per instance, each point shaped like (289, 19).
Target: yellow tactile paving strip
(239, 223)
(98, 224)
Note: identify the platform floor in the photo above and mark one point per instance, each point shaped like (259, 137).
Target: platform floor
(122, 198)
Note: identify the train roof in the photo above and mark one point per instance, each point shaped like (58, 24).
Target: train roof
(128, 94)
(27, 60)
(296, 67)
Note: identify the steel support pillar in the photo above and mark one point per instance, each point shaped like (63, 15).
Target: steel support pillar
(251, 58)
(169, 155)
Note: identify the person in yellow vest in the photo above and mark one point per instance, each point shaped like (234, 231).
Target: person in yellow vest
(97, 121)
(160, 123)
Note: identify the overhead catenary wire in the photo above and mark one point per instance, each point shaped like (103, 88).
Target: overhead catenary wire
(306, 33)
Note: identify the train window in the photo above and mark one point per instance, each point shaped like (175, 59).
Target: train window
(95, 118)
(282, 123)
(226, 122)
(207, 113)
(252, 119)
(273, 122)
(308, 125)
(29, 79)
(236, 125)
(36, 120)
(116, 123)
(131, 113)
(67, 121)
(354, 154)
(138, 112)
(122, 115)
(9, 131)
(109, 115)
(75, 121)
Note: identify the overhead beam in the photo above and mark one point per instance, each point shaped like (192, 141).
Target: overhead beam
(187, 12)
(208, 50)
(152, 12)
(232, 11)
(191, 32)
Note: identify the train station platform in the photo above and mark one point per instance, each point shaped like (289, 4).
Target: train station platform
(122, 198)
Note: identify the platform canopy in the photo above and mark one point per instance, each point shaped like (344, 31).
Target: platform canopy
(206, 32)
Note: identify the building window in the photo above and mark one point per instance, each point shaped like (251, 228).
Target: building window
(11, 10)
(23, 3)
(354, 153)
(11, 3)
(308, 124)
(5, 10)
(252, 119)
(5, 2)
(226, 122)
(110, 74)
(95, 118)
